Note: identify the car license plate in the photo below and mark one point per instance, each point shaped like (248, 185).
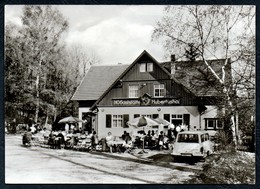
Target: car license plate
(186, 154)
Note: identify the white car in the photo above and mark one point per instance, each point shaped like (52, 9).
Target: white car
(192, 144)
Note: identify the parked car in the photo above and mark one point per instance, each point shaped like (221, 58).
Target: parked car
(192, 144)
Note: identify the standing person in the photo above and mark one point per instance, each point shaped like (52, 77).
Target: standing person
(13, 126)
(153, 139)
(170, 135)
(67, 128)
(51, 139)
(94, 140)
(160, 140)
(109, 140)
(61, 140)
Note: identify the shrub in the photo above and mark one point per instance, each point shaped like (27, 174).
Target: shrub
(227, 168)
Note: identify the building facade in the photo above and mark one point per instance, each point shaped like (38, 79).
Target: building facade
(113, 95)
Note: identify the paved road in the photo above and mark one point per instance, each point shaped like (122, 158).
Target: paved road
(41, 165)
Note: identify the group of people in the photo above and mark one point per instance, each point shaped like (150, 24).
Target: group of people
(151, 140)
(125, 138)
(55, 139)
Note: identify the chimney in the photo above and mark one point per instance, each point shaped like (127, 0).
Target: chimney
(173, 64)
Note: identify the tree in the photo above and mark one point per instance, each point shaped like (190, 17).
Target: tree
(14, 72)
(42, 30)
(213, 32)
(82, 57)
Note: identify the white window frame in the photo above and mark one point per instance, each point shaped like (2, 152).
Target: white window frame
(176, 117)
(133, 93)
(147, 115)
(149, 67)
(161, 90)
(117, 121)
(216, 123)
(146, 67)
(142, 67)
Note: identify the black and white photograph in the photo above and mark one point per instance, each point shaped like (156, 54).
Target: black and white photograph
(130, 94)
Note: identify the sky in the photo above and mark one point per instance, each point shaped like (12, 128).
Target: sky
(115, 33)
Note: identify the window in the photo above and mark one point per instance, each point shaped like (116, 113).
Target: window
(149, 67)
(133, 91)
(213, 123)
(147, 115)
(143, 67)
(146, 67)
(177, 119)
(202, 138)
(189, 138)
(220, 124)
(117, 120)
(159, 90)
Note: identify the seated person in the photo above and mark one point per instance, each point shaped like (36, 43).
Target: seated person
(124, 135)
(109, 140)
(27, 137)
(127, 137)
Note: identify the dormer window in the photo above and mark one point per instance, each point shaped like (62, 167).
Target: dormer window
(146, 67)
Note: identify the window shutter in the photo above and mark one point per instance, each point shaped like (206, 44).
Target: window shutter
(186, 119)
(206, 124)
(155, 116)
(108, 120)
(125, 120)
(166, 117)
(136, 115)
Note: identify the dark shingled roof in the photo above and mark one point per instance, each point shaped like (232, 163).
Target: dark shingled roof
(192, 75)
(97, 80)
(195, 75)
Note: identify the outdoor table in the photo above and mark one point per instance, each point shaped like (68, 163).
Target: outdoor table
(117, 144)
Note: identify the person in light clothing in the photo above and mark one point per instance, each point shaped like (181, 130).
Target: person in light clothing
(109, 140)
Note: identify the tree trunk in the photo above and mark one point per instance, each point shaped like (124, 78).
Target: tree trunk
(37, 99)
(232, 119)
(46, 121)
(37, 92)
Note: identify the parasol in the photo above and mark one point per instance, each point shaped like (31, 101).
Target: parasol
(143, 122)
(70, 119)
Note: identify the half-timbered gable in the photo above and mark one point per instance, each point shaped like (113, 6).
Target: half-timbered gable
(146, 76)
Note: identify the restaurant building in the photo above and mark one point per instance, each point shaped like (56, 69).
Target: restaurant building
(179, 92)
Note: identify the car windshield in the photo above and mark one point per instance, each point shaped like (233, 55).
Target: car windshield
(189, 138)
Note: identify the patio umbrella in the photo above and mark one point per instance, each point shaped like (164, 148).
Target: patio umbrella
(162, 121)
(142, 122)
(70, 119)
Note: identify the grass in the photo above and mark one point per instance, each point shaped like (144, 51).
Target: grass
(227, 168)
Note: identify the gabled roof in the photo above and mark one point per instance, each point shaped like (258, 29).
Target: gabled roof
(97, 80)
(129, 67)
(194, 75)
